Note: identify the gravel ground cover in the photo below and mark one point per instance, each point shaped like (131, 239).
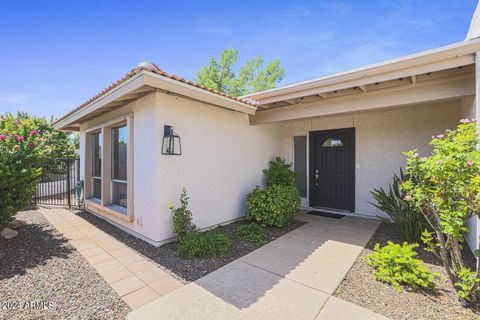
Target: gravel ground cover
(360, 288)
(39, 266)
(187, 270)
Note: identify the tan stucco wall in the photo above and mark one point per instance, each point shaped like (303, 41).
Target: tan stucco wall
(223, 155)
(143, 181)
(222, 160)
(381, 137)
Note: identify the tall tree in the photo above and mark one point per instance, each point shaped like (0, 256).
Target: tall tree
(252, 76)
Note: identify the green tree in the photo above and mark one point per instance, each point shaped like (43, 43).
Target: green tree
(252, 76)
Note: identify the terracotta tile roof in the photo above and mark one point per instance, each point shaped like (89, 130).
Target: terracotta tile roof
(155, 69)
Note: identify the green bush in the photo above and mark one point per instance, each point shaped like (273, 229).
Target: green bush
(273, 205)
(21, 149)
(397, 264)
(208, 244)
(182, 217)
(467, 280)
(445, 188)
(253, 232)
(279, 173)
(405, 216)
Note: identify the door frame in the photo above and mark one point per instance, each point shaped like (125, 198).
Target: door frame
(351, 166)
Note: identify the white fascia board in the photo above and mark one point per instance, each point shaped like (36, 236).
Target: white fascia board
(132, 84)
(452, 51)
(187, 90)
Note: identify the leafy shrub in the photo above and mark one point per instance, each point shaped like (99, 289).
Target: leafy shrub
(253, 232)
(406, 217)
(445, 188)
(273, 205)
(396, 264)
(208, 244)
(25, 142)
(21, 151)
(279, 173)
(467, 280)
(182, 217)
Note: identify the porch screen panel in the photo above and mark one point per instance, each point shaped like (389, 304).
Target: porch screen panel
(300, 164)
(119, 165)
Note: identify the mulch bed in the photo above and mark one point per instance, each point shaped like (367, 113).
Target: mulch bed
(40, 266)
(188, 270)
(359, 287)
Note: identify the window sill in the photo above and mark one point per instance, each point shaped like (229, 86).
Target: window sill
(114, 212)
(121, 210)
(95, 200)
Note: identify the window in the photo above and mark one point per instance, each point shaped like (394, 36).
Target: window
(332, 143)
(300, 164)
(119, 165)
(97, 165)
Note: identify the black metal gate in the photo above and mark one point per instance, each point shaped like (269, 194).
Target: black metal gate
(58, 185)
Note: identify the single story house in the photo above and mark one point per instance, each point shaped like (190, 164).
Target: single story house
(345, 134)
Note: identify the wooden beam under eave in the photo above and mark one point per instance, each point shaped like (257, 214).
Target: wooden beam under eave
(323, 95)
(414, 79)
(404, 73)
(71, 128)
(363, 88)
(422, 92)
(144, 89)
(129, 97)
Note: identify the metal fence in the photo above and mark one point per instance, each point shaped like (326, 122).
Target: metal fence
(58, 184)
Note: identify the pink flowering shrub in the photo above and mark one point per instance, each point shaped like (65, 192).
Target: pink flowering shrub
(20, 158)
(25, 142)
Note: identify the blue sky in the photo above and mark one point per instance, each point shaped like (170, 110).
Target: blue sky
(56, 54)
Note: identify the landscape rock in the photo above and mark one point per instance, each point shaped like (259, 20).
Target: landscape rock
(8, 233)
(16, 224)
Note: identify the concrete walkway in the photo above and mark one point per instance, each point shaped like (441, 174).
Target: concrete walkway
(136, 279)
(292, 277)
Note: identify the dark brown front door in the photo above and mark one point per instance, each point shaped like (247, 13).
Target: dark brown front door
(332, 169)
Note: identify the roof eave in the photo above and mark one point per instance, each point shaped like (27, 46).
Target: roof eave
(425, 57)
(150, 79)
(131, 84)
(184, 89)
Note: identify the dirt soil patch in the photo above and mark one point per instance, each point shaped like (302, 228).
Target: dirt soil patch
(359, 287)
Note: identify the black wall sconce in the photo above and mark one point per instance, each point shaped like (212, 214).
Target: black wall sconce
(171, 143)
